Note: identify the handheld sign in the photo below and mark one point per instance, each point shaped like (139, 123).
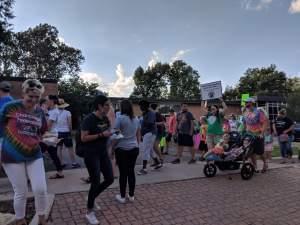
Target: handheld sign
(244, 98)
(211, 90)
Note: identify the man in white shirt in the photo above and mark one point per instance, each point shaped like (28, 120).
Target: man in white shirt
(64, 128)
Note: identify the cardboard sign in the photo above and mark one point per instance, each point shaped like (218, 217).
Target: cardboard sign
(211, 90)
(244, 98)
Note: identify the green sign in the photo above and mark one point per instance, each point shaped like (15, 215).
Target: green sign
(244, 98)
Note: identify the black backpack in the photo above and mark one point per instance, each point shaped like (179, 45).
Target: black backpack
(79, 147)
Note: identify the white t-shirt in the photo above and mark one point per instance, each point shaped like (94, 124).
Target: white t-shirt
(53, 116)
(62, 123)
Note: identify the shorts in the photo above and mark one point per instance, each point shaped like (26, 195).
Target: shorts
(203, 146)
(66, 139)
(258, 146)
(185, 140)
(212, 139)
(169, 137)
(159, 136)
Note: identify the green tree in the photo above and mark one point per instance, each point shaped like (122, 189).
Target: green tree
(175, 81)
(184, 81)
(38, 53)
(151, 83)
(231, 93)
(6, 35)
(78, 94)
(264, 81)
(293, 106)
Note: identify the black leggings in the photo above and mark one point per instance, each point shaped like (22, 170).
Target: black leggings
(53, 155)
(96, 164)
(126, 162)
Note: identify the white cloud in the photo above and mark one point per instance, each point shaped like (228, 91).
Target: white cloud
(123, 86)
(91, 77)
(62, 40)
(256, 5)
(154, 59)
(295, 6)
(179, 55)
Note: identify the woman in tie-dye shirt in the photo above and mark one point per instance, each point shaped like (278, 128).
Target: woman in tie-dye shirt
(24, 123)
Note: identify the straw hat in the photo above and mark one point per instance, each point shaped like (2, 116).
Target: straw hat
(62, 104)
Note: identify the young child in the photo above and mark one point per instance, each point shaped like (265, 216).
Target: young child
(235, 152)
(219, 149)
(268, 144)
(203, 145)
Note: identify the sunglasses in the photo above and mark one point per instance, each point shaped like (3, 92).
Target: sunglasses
(32, 84)
(31, 96)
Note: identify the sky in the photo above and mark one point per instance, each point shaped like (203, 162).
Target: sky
(218, 38)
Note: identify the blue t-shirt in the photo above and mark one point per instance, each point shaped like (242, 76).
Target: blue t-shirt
(3, 101)
(149, 123)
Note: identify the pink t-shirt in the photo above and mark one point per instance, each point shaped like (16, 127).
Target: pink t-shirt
(172, 124)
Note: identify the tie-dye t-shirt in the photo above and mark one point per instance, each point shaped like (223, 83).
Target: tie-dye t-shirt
(254, 121)
(22, 132)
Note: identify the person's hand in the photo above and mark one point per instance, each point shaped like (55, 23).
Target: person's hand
(285, 131)
(106, 133)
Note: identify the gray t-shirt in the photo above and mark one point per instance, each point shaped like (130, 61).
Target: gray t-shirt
(184, 122)
(128, 129)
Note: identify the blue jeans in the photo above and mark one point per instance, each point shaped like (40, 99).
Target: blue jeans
(286, 147)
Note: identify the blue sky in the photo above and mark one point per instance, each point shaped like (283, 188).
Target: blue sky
(219, 38)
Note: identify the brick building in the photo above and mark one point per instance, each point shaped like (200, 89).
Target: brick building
(16, 82)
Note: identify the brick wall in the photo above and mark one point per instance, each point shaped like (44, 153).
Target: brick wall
(16, 82)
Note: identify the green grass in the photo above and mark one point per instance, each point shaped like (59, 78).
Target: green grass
(276, 150)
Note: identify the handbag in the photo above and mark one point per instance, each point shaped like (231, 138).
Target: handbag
(283, 138)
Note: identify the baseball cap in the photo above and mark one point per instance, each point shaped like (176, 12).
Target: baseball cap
(252, 100)
(5, 86)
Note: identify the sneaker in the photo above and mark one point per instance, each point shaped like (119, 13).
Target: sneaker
(192, 161)
(75, 165)
(96, 205)
(176, 161)
(131, 199)
(142, 172)
(120, 199)
(158, 166)
(154, 164)
(91, 218)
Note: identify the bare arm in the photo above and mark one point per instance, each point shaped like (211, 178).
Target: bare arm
(291, 128)
(86, 137)
(138, 135)
(225, 108)
(70, 122)
(204, 106)
(274, 129)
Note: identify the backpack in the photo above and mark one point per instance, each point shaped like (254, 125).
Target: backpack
(79, 145)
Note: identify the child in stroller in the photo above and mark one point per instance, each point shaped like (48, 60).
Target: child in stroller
(236, 151)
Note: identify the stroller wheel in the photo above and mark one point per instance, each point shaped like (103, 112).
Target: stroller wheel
(210, 170)
(247, 171)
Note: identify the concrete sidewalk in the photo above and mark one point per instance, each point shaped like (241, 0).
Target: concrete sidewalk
(170, 172)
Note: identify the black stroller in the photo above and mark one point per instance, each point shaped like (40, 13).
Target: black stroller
(234, 157)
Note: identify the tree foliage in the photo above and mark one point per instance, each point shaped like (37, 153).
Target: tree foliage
(6, 14)
(263, 81)
(38, 52)
(162, 81)
(78, 94)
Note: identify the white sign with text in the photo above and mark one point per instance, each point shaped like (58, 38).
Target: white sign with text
(211, 90)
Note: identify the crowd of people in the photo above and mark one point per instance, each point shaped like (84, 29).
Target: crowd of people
(32, 126)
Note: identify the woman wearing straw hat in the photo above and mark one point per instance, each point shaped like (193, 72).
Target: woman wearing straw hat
(64, 129)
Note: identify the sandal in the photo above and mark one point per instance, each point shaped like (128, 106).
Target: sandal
(56, 176)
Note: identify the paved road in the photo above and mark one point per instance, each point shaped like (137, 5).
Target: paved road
(268, 199)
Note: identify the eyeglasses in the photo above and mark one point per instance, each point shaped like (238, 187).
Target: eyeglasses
(33, 83)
